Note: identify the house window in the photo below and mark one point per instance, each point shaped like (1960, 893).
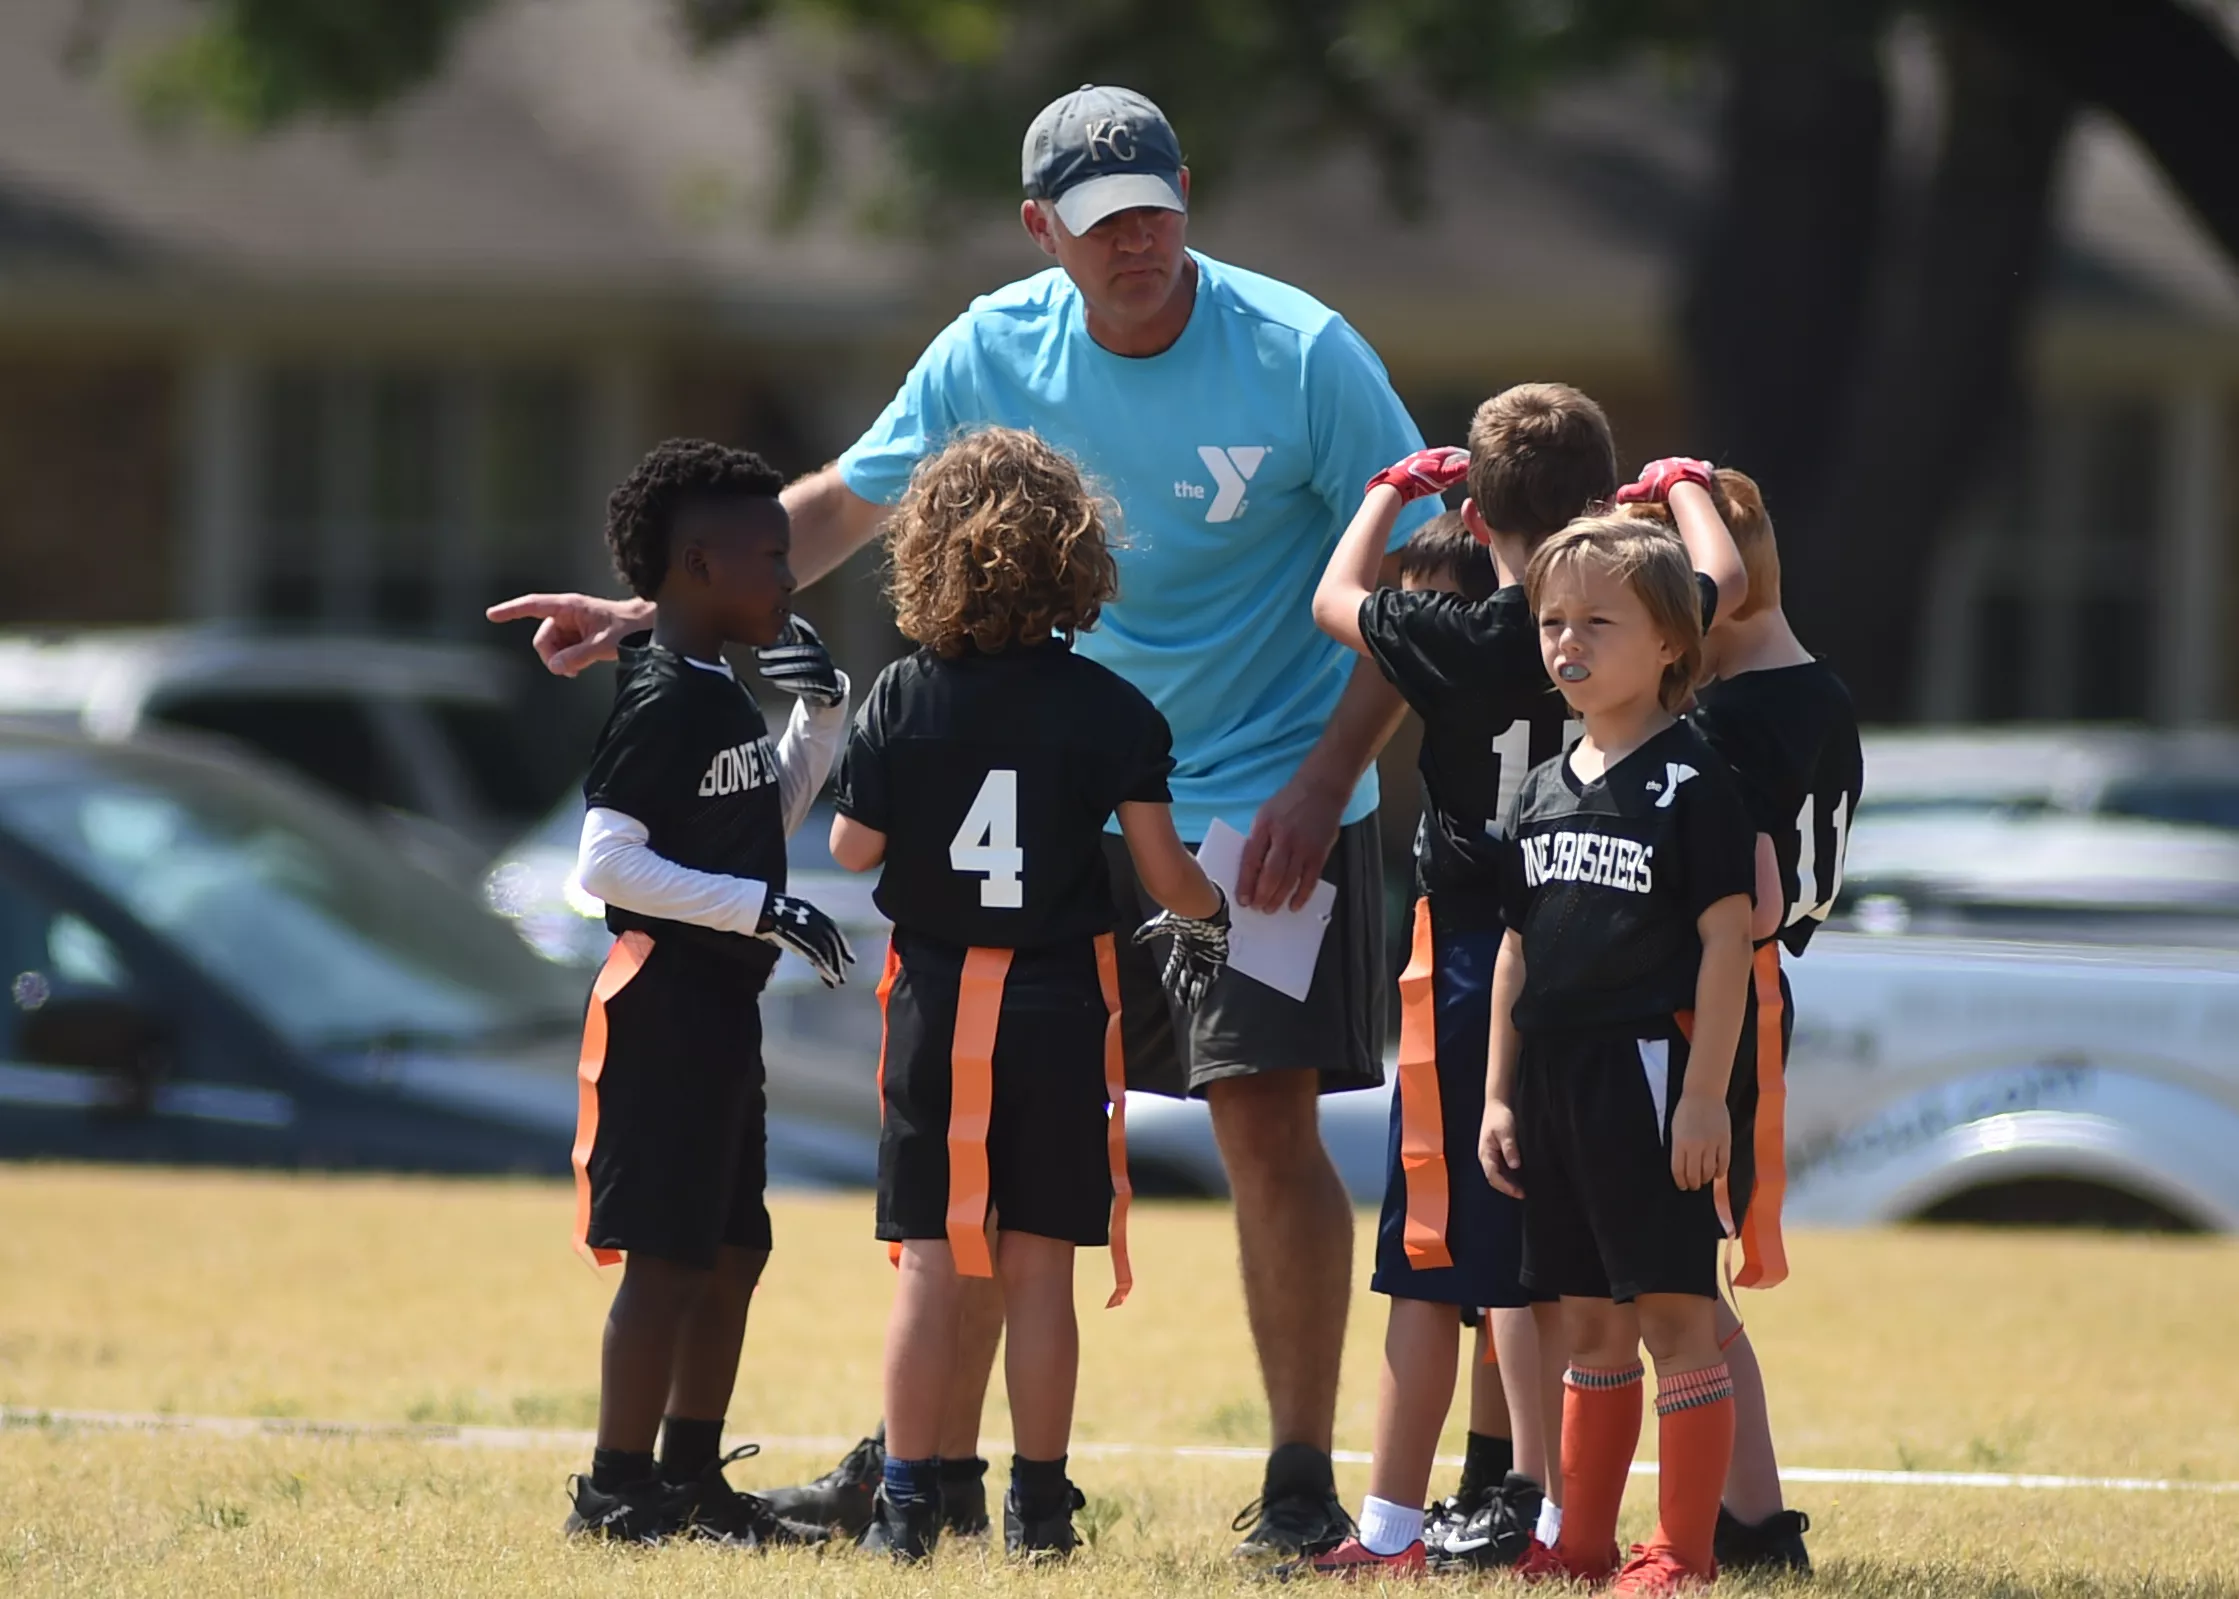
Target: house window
(405, 498)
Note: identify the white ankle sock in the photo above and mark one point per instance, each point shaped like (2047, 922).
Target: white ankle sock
(1550, 1523)
(1387, 1528)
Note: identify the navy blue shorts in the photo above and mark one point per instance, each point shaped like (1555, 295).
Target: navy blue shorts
(1447, 991)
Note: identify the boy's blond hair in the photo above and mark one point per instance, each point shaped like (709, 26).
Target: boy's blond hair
(998, 541)
(1643, 555)
(1540, 455)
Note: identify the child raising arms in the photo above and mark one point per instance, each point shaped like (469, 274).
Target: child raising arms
(1617, 1009)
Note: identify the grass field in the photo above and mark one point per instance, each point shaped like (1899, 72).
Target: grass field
(426, 1302)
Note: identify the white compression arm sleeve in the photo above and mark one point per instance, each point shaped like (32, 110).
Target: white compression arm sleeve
(805, 753)
(617, 864)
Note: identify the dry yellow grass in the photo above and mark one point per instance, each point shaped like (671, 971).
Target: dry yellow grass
(393, 1301)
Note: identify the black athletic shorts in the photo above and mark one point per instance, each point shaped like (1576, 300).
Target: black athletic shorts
(1244, 1027)
(1603, 1218)
(671, 1152)
(1048, 1158)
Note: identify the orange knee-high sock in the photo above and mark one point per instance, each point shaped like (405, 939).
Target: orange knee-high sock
(1601, 1429)
(1694, 1445)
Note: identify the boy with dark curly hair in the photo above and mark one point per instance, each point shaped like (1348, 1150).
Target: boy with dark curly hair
(688, 808)
(979, 778)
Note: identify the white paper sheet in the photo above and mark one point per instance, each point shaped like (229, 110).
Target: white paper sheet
(1279, 948)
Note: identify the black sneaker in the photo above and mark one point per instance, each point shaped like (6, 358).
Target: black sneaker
(1043, 1538)
(638, 1512)
(1774, 1544)
(715, 1511)
(841, 1498)
(964, 1497)
(1445, 1520)
(1297, 1515)
(1497, 1535)
(906, 1533)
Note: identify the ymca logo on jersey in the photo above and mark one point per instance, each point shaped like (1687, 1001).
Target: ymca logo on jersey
(740, 768)
(1675, 773)
(1232, 467)
(1596, 858)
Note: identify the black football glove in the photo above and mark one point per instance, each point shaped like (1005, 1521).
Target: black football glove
(797, 925)
(1198, 954)
(800, 664)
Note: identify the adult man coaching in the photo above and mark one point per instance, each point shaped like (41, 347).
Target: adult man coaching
(1235, 420)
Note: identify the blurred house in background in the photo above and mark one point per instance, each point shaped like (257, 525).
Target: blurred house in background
(376, 377)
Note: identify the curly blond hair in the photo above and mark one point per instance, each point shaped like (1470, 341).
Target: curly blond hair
(999, 541)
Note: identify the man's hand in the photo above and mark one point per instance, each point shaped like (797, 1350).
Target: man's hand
(1658, 478)
(1702, 1141)
(800, 664)
(1424, 473)
(1290, 841)
(797, 925)
(1199, 953)
(1497, 1149)
(575, 630)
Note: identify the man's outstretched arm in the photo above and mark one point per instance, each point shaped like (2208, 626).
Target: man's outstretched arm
(830, 523)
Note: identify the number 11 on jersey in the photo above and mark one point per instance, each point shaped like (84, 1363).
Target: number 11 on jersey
(987, 843)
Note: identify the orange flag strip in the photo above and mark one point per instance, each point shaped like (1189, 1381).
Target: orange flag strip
(979, 1009)
(1422, 1124)
(623, 962)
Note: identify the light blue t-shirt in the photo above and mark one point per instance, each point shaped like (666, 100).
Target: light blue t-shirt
(1237, 456)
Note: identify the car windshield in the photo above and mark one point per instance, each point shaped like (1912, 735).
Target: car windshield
(294, 908)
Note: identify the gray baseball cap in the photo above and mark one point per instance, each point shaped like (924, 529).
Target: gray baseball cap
(1100, 150)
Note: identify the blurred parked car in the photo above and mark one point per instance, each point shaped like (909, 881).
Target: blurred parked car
(208, 962)
(429, 739)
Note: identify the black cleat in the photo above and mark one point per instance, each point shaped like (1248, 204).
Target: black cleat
(1049, 1538)
(1774, 1544)
(841, 1498)
(1297, 1515)
(1445, 1520)
(1496, 1536)
(715, 1511)
(637, 1512)
(964, 1498)
(907, 1533)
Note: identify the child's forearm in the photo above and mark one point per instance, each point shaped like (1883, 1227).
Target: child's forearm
(1506, 1044)
(1164, 866)
(1710, 545)
(616, 864)
(1354, 565)
(1721, 993)
(856, 847)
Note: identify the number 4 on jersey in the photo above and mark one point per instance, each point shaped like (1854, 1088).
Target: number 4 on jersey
(988, 842)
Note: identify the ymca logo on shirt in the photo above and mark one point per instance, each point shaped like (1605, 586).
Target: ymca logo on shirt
(740, 768)
(1232, 467)
(1597, 858)
(1675, 773)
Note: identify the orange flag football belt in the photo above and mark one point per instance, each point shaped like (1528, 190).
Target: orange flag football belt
(1422, 1123)
(623, 962)
(979, 1013)
(1764, 1257)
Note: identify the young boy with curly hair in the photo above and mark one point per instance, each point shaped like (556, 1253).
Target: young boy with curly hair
(979, 777)
(688, 808)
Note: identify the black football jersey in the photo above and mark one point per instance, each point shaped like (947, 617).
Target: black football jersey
(1791, 737)
(1605, 881)
(992, 777)
(1472, 671)
(686, 752)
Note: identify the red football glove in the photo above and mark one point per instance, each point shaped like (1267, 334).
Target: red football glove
(1658, 478)
(1426, 472)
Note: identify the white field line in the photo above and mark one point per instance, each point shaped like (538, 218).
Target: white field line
(21, 1417)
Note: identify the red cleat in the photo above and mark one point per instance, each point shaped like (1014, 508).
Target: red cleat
(1543, 1564)
(1656, 1572)
(1352, 1559)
